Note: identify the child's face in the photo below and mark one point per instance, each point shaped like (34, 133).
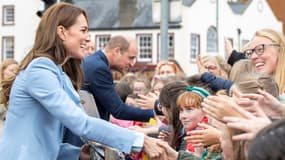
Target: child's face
(157, 87)
(9, 71)
(190, 117)
(139, 88)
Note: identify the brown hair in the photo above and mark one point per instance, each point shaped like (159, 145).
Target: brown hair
(189, 100)
(252, 81)
(167, 98)
(118, 41)
(48, 44)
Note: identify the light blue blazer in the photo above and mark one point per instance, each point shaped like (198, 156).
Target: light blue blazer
(43, 102)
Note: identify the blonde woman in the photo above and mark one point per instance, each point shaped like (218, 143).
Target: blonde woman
(267, 54)
(214, 64)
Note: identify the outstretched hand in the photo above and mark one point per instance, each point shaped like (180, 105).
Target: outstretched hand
(204, 137)
(147, 101)
(153, 149)
(268, 103)
(171, 153)
(250, 124)
(220, 106)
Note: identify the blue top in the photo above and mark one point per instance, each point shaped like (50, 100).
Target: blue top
(43, 102)
(99, 81)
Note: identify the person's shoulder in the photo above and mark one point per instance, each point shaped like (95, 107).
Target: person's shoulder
(95, 61)
(43, 63)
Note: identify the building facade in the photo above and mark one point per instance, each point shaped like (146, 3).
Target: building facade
(196, 27)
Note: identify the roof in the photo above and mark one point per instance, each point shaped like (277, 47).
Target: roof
(118, 14)
(188, 3)
(109, 14)
(239, 7)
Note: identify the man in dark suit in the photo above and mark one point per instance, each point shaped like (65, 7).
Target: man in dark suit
(120, 53)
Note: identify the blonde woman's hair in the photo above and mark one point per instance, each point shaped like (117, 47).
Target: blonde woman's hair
(241, 66)
(221, 63)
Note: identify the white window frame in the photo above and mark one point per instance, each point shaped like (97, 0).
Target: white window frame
(194, 47)
(171, 42)
(8, 16)
(7, 49)
(144, 42)
(101, 41)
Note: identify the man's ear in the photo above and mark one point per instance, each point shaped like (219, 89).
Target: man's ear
(117, 51)
(60, 30)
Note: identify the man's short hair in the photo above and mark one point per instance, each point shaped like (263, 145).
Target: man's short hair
(118, 41)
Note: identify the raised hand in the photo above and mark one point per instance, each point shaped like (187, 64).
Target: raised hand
(225, 140)
(147, 101)
(220, 106)
(268, 103)
(250, 124)
(204, 137)
(228, 47)
(200, 66)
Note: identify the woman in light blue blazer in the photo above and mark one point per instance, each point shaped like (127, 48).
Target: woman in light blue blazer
(42, 98)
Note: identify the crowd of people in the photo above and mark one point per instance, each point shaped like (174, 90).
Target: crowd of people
(233, 109)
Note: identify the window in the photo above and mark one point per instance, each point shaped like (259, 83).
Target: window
(194, 47)
(101, 41)
(8, 15)
(212, 45)
(8, 47)
(170, 45)
(144, 47)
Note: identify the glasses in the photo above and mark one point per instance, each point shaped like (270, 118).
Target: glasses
(258, 50)
(210, 67)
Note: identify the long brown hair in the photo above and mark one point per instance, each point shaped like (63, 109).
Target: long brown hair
(48, 44)
(167, 98)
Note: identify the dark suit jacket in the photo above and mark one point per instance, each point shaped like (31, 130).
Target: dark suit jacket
(216, 83)
(99, 81)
